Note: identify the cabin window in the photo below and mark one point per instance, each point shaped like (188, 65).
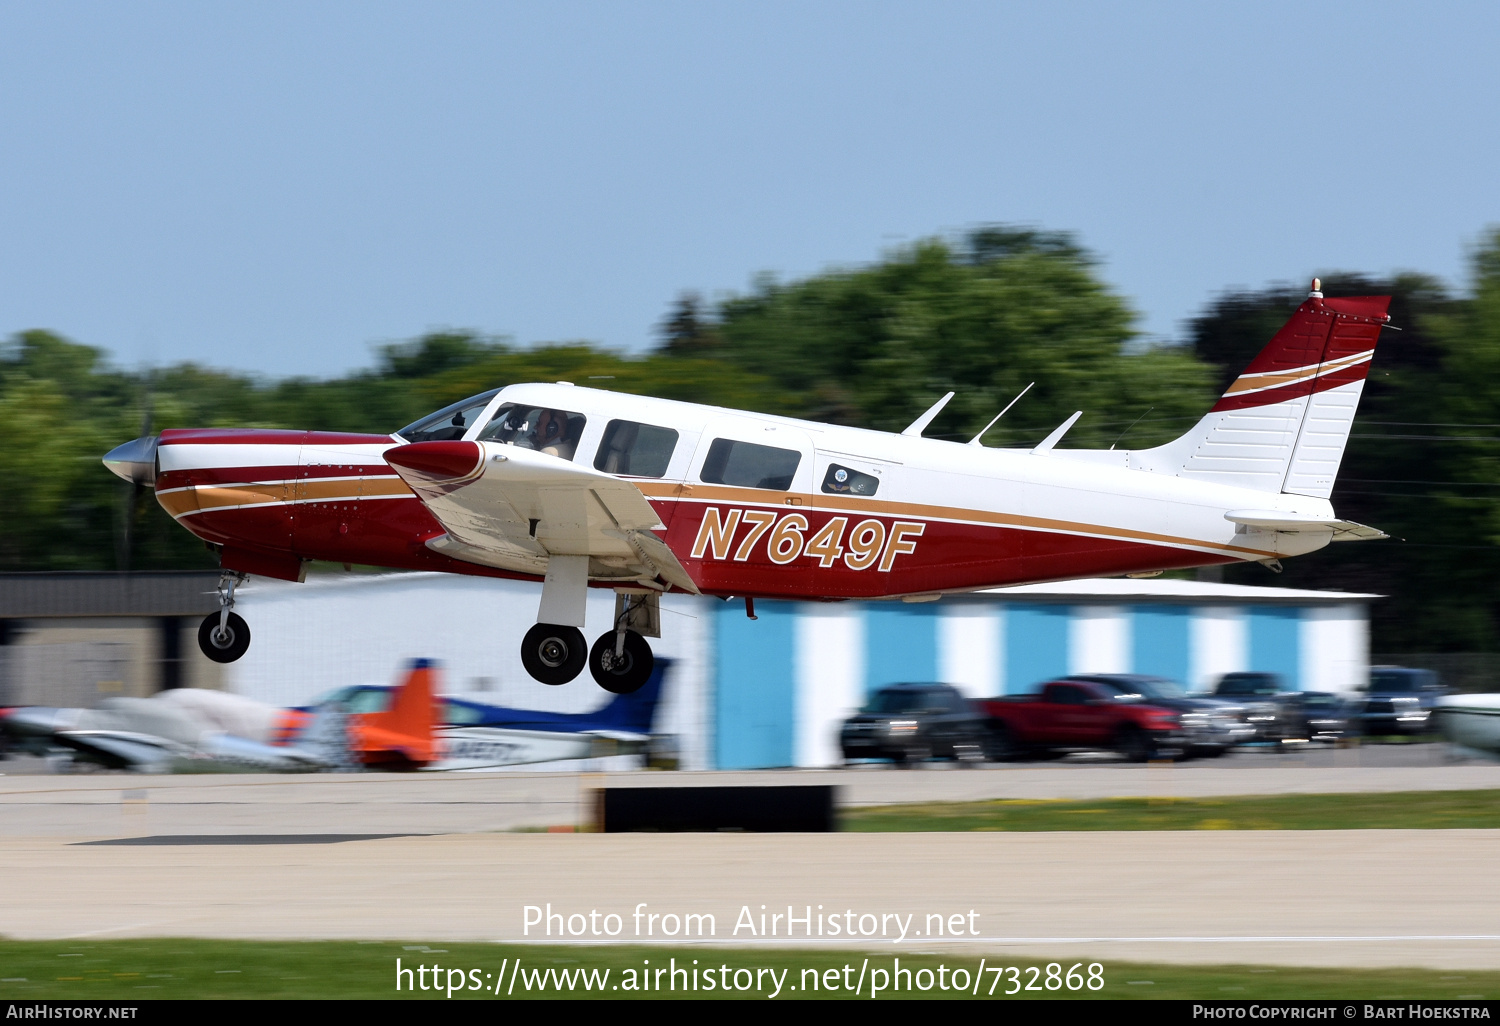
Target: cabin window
(450, 423)
(846, 481)
(461, 714)
(749, 465)
(554, 432)
(637, 450)
(368, 700)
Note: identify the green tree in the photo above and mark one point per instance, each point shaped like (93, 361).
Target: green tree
(876, 346)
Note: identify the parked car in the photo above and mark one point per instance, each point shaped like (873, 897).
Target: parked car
(1315, 716)
(910, 723)
(1400, 700)
(1262, 695)
(1086, 712)
(1212, 725)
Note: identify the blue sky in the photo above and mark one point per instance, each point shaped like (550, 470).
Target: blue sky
(277, 186)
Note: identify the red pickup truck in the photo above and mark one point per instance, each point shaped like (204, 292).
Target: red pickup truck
(1068, 714)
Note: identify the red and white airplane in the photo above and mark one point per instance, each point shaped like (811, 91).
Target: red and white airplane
(583, 488)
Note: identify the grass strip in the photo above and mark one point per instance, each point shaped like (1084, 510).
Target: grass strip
(207, 969)
(1426, 810)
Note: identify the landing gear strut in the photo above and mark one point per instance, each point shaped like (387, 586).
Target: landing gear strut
(225, 636)
(554, 652)
(621, 660)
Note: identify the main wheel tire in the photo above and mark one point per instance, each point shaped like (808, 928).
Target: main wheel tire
(622, 675)
(227, 645)
(554, 654)
(1133, 744)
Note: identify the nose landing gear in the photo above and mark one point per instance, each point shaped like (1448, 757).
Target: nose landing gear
(225, 636)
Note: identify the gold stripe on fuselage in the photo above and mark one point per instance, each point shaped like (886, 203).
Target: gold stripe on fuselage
(181, 502)
(922, 511)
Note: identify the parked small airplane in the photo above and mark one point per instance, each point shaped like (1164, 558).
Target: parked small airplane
(583, 488)
(405, 727)
(1472, 721)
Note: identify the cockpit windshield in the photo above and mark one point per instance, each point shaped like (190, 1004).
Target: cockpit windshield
(451, 422)
(554, 432)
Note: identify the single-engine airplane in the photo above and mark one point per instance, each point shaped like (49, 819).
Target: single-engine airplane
(583, 488)
(408, 726)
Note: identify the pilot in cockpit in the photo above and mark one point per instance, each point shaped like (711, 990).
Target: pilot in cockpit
(552, 434)
(546, 435)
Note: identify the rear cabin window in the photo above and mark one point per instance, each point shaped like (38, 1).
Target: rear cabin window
(847, 481)
(554, 432)
(749, 465)
(636, 450)
(450, 423)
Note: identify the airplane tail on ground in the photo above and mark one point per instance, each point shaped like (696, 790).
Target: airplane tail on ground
(404, 735)
(1283, 423)
(630, 714)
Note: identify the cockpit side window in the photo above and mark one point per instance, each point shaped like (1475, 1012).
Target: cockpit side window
(449, 423)
(554, 432)
(636, 450)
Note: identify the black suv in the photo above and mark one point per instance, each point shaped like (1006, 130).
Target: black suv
(909, 723)
(1400, 700)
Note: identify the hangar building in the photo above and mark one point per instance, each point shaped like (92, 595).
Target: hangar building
(773, 691)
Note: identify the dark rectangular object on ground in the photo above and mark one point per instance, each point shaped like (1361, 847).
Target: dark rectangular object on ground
(803, 809)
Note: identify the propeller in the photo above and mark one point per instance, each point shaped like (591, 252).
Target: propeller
(135, 463)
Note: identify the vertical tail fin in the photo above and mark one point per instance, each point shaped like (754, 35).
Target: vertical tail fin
(1283, 424)
(404, 734)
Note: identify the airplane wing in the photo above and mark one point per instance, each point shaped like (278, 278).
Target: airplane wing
(513, 508)
(121, 749)
(1277, 520)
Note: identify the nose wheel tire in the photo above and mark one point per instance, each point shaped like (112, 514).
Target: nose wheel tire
(622, 674)
(227, 644)
(554, 654)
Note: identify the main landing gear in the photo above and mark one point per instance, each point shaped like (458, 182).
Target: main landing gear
(620, 660)
(224, 636)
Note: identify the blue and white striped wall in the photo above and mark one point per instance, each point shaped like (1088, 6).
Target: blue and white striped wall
(784, 683)
(773, 691)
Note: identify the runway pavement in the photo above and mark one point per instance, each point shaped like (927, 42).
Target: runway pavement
(1362, 898)
(109, 805)
(270, 856)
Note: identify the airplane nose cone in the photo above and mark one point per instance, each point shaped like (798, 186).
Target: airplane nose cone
(135, 461)
(437, 461)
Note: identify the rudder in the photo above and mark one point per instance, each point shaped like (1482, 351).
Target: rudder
(1283, 424)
